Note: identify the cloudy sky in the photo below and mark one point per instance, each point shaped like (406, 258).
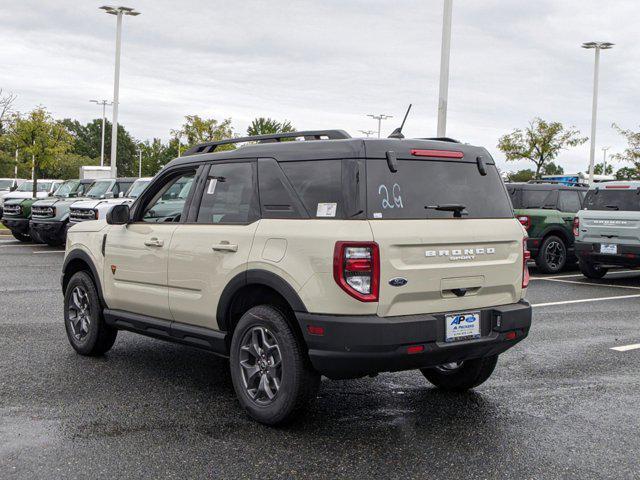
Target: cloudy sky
(328, 63)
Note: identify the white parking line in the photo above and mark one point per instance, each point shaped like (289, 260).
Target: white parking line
(586, 300)
(591, 284)
(625, 348)
(49, 251)
(574, 275)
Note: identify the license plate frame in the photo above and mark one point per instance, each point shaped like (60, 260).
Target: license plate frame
(609, 248)
(462, 326)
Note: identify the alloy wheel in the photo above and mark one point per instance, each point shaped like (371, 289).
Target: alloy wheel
(260, 365)
(555, 254)
(79, 311)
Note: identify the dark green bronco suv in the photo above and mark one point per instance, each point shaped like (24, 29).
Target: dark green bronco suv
(546, 211)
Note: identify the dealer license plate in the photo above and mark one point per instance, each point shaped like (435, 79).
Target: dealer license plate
(462, 326)
(609, 248)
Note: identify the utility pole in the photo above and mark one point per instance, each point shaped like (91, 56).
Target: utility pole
(445, 53)
(140, 162)
(379, 118)
(15, 169)
(104, 104)
(118, 12)
(594, 105)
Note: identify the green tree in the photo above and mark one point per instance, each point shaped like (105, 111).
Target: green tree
(540, 142)
(630, 154)
(197, 130)
(68, 166)
(598, 169)
(627, 173)
(40, 138)
(265, 126)
(521, 175)
(87, 141)
(552, 169)
(156, 155)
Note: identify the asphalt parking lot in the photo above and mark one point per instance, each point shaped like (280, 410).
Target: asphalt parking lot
(562, 404)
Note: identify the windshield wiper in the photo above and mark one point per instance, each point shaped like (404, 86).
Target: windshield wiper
(612, 207)
(457, 209)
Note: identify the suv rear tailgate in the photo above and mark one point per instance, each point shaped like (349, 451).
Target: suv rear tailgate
(609, 226)
(450, 265)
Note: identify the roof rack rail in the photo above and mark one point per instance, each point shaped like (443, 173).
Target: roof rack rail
(442, 139)
(567, 183)
(209, 147)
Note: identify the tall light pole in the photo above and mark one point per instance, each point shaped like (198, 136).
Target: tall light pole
(104, 104)
(379, 117)
(597, 46)
(15, 169)
(368, 133)
(445, 52)
(604, 160)
(140, 161)
(118, 12)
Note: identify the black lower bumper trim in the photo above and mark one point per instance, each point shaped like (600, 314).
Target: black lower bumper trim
(354, 346)
(18, 225)
(50, 230)
(627, 256)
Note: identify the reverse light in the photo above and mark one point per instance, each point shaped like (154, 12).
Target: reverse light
(525, 220)
(526, 256)
(356, 269)
(576, 226)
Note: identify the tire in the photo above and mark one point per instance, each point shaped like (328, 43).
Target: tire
(87, 332)
(35, 236)
(591, 270)
(552, 256)
(467, 375)
(21, 237)
(270, 394)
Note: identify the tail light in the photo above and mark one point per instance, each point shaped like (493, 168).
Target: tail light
(356, 269)
(525, 220)
(526, 256)
(576, 226)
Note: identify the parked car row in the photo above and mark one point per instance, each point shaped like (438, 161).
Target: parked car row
(46, 220)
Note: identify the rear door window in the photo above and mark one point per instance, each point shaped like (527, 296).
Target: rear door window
(610, 199)
(418, 183)
(536, 198)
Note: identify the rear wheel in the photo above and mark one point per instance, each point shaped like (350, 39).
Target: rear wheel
(460, 376)
(271, 373)
(553, 255)
(86, 329)
(21, 237)
(592, 270)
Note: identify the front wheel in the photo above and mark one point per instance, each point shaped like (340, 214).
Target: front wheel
(553, 255)
(271, 373)
(86, 329)
(460, 376)
(592, 270)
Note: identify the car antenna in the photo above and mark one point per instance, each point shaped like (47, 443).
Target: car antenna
(397, 133)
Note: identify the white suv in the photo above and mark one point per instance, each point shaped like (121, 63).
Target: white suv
(330, 256)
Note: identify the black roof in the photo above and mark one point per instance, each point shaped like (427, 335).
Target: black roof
(336, 149)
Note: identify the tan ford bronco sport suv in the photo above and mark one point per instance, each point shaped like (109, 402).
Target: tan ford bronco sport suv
(325, 256)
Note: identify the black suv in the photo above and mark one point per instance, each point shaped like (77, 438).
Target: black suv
(546, 210)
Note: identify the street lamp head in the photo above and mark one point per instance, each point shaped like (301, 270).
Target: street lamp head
(111, 10)
(599, 45)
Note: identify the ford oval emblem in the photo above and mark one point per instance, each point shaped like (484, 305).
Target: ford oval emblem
(398, 282)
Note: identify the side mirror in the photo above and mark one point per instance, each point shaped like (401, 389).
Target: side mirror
(121, 194)
(13, 187)
(118, 215)
(73, 195)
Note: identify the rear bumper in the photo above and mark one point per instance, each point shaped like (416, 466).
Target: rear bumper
(49, 230)
(354, 346)
(18, 225)
(628, 255)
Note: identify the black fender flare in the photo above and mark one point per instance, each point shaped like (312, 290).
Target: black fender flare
(85, 258)
(558, 232)
(256, 277)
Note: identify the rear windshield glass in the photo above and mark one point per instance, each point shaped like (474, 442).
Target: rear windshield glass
(448, 185)
(603, 199)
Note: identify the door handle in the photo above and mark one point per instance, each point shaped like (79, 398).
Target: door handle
(225, 247)
(154, 242)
